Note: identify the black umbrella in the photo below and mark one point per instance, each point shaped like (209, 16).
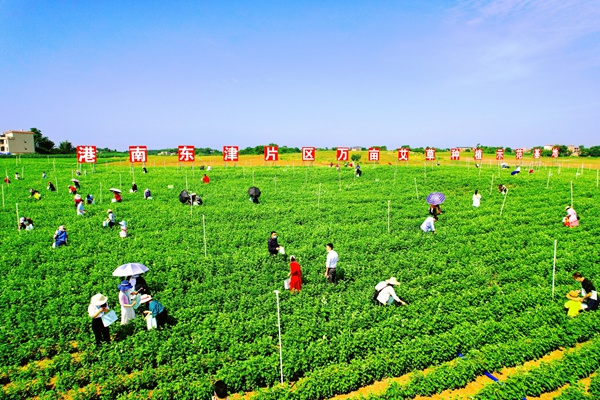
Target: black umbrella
(254, 192)
(184, 197)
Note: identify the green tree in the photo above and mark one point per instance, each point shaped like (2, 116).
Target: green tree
(43, 145)
(355, 157)
(66, 147)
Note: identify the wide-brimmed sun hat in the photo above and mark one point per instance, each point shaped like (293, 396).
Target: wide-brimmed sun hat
(573, 295)
(145, 298)
(98, 299)
(393, 281)
(125, 285)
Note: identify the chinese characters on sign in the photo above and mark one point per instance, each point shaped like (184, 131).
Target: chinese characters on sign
(403, 154)
(373, 154)
(554, 152)
(271, 153)
(519, 153)
(308, 154)
(186, 153)
(86, 154)
(499, 154)
(342, 153)
(537, 153)
(230, 153)
(478, 154)
(455, 154)
(429, 154)
(138, 154)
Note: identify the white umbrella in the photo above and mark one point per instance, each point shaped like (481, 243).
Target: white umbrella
(130, 269)
(75, 180)
(114, 190)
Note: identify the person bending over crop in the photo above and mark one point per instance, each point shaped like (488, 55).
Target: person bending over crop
(331, 264)
(72, 189)
(97, 309)
(571, 219)
(51, 187)
(588, 292)
(428, 225)
(435, 209)
(110, 220)
(573, 306)
(26, 223)
(35, 194)
(502, 189)
(147, 194)
(272, 244)
(385, 294)
(60, 237)
(156, 310)
(206, 179)
(476, 199)
(134, 188)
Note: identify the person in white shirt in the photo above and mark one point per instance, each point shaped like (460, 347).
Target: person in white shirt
(97, 308)
(331, 264)
(385, 294)
(428, 224)
(476, 199)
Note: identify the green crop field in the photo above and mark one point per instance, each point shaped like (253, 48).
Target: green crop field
(481, 286)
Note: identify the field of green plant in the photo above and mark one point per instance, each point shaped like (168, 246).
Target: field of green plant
(481, 286)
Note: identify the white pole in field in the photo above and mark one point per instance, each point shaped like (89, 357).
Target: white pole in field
(395, 170)
(133, 175)
(389, 201)
(554, 268)
(503, 201)
(56, 180)
(100, 192)
(582, 169)
(120, 182)
(279, 327)
(340, 180)
(2, 196)
(186, 182)
(548, 181)
(492, 184)
(54, 164)
(319, 196)
(571, 194)
(424, 173)
(204, 233)
(18, 222)
(416, 189)
(23, 172)
(252, 177)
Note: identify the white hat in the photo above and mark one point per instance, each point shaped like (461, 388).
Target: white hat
(145, 298)
(393, 281)
(98, 299)
(123, 223)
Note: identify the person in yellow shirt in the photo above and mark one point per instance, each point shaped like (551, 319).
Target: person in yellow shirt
(573, 306)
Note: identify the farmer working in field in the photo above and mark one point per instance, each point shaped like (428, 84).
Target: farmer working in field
(573, 306)
(110, 220)
(502, 189)
(51, 187)
(588, 292)
(206, 179)
(385, 294)
(428, 225)
(97, 309)
(272, 244)
(571, 219)
(26, 223)
(331, 264)
(134, 188)
(60, 237)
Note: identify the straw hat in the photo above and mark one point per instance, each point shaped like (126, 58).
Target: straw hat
(109, 211)
(98, 299)
(567, 207)
(573, 295)
(393, 281)
(145, 298)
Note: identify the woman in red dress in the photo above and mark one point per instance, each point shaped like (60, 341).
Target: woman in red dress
(295, 275)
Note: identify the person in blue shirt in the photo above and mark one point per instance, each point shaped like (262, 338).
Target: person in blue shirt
(60, 237)
(157, 310)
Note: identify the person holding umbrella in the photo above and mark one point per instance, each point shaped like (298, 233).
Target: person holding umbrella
(127, 304)
(435, 199)
(117, 195)
(254, 194)
(60, 237)
(97, 309)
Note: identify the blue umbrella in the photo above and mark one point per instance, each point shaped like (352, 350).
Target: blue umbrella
(436, 198)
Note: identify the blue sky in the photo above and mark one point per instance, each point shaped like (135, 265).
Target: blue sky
(512, 73)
